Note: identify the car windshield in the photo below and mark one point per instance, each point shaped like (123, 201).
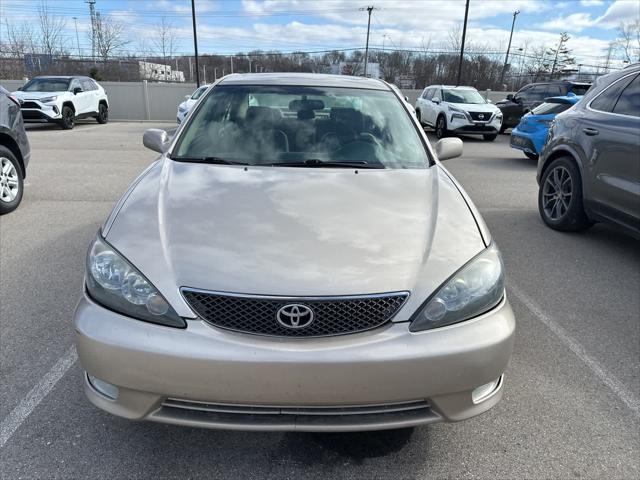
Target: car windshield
(47, 85)
(302, 126)
(580, 89)
(198, 93)
(551, 107)
(463, 96)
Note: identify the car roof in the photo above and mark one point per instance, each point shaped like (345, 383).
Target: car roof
(304, 80)
(63, 77)
(454, 87)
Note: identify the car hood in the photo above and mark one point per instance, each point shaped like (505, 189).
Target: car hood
(293, 231)
(36, 95)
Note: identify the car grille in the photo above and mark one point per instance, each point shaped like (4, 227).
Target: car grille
(331, 315)
(486, 116)
(29, 105)
(292, 418)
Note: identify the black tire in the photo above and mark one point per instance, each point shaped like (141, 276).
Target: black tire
(490, 137)
(531, 156)
(12, 181)
(503, 128)
(68, 118)
(441, 127)
(103, 114)
(560, 197)
(419, 117)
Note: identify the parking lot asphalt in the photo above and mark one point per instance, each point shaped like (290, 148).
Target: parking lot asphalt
(572, 401)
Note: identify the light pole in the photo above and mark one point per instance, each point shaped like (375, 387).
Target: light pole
(506, 58)
(195, 41)
(75, 19)
(464, 35)
(366, 48)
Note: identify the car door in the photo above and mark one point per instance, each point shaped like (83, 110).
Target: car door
(80, 100)
(534, 97)
(424, 103)
(610, 131)
(91, 92)
(435, 109)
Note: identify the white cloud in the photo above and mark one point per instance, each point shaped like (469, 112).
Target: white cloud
(576, 22)
(591, 3)
(619, 11)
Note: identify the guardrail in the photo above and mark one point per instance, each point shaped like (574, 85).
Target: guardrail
(159, 101)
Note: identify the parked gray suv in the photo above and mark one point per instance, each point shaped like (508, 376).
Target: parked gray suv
(589, 170)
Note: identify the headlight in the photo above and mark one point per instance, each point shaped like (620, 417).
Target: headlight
(455, 109)
(474, 289)
(49, 99)
(116, 284)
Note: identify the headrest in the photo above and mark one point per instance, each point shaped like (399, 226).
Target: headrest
(306, 115)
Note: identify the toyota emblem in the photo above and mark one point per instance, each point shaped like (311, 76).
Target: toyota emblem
(295, 315)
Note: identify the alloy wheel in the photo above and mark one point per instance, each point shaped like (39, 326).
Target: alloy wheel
(440, 128)
(557, 192)
(9, 182)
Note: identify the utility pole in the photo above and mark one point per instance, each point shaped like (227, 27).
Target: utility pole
(92, 13)
(366, 48)
(195, 41)
(464, 36)
(231, 63)
(563, 40)
(249, 58)
(506, 58)
(75, 19)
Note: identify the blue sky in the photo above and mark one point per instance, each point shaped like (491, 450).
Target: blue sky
(229, 26)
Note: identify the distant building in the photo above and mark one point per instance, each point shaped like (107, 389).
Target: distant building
(406, 82)
(158, 72)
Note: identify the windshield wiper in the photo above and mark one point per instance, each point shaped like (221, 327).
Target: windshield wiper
(213, 160)
(316, 163)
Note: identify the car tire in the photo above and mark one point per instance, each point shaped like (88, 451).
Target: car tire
(103, 114)
(503, 128)
(68, 118)
(560, 197)
(11, 181)
(531, 156)
(490, 137)
(418, 116)
(441, 127)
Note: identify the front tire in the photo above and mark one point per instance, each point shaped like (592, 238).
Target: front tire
(490, 137)
(419, 117)
(560, 197)
(441, 127)
(11, 181)
(103, 114)
(68, 118)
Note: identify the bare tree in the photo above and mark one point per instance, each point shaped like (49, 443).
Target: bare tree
(628, 41)
(165, 41)
(109, 36)
(20, 39)
(51, 30)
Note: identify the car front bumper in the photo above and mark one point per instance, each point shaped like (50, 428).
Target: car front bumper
(44, 113)
(527, 142)
(459, 126)
(206, 377)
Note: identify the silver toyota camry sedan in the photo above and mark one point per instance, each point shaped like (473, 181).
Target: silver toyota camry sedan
(296, 259)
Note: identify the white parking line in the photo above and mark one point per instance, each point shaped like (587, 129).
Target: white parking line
(627, 397)
(32, 399)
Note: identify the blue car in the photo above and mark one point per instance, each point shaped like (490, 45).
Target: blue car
(531, 133)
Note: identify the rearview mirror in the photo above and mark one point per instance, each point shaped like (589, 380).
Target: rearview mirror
(448, 148)
(156, 140)
(77, 90)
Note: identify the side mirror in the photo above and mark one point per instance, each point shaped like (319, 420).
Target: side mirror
(156, 140)
(406, 99)
(436, 101)
(187, 97)
(77, 90)
(510, 97)
(489, 100)
(448, 148)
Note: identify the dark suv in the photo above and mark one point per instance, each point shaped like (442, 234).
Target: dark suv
(532, 95)
(14, 152)
(589, 169)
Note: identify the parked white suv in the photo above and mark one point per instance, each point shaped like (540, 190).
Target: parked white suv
(190, 101)
(458, 110)
(62, 100)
